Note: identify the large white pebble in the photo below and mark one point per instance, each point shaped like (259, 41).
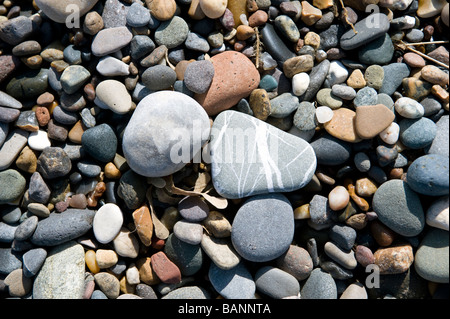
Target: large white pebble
(390, 134)
(38, 140)
(300, 83)
(107, 223)
(324, 114)
(338, 198)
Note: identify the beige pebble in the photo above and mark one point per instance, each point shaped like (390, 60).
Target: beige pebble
(342, 125)
(312, 39)
(217, 224)
(365, 187)
(356, 80)
(394, 260)
(132, 274)
(111, 171)
(18, 285)
(106, 258)
(302, 212)
(338, 198)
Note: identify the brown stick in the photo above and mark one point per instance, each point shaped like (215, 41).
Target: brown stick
(346, 17)
(425, 56)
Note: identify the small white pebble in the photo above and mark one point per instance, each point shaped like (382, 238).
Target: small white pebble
(300, 83)
(338, 198)
(132, 275)
(391, 134)
(243, 19)
(324, 114)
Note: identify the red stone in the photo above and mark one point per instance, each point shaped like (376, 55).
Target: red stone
(235, 77)
(166, 270)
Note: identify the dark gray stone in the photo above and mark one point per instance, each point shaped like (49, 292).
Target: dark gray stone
(429, 175)
(100, 142)
(132, 189)
(62, 227)
(159, 77)
(187, 257)
(330, 150)
(53, 163)
(343, 236)
(368, 29)
(319, 285)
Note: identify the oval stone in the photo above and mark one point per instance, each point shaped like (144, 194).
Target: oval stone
(166, 131)
(107, 223)
(399, 208)
(429, 175)
(234, 283)
(272, 227)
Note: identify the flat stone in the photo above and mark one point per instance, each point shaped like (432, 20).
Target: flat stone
(272, 212)
(416, 89)
(9, 261)
(28, 84)
(220, 251)
(166, 270)
(371, 120)
(110, 40)
(409, 108)
(345, 258)
(110, 66)
(192, 292)
(163, 135)
(287, 27)
(60, 228)
(198, 76)
(342, 125)
(26, 228)
(319, 285)
(234, 283)
(317, 77)
(374, 76)
(354, 291)
(276, 283)
(144, 224)
(330, 150)
(138, 16)
(189, 232)
(16, 30)
(159, 77)
(217, 225)
(73, 78)
(429, 174)
(304, 118)
(108, 284)
(235, 77)
(399, 208)
(62, 274)
(431, 259)
(266, 161)
(370, 28)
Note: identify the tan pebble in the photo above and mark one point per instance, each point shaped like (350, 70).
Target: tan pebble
(414, 60)
(310, 14)
(27, 160)
(78, 201)
(342, 125)
(440, 93)
(260, 104)
(108, 284)
(93, 23)
(302, 212)
(91, 261)
(59, 65)
(356, 80)
(76, 132)
(146, 273)
(381, 233)
(338, 198)
(111, 171)
(237, 7)
(361, 202)
(33, 62)
(371, 120)
(45, 99)
(180, 68)
(394, 260)
(365, 187)
(217, 225)
(325, 178)
(357, 221)
(162, 9)
(396, 173)
(430, 8)
(38, 209)
(434, 75)
(51, 54)
(18, 285)
(132, 274)
(126, 244)
(312, 39)
(144, 225)
(243, 32)
(106, 258)
(298, 64)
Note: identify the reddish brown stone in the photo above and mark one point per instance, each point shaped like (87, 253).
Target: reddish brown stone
(394, 260)
(235, 77)
(382, 234)
(45, 99)
(144, 224)
(364, 255)
(42, 115)
(258, 18)
(165, 269)
(8, 64)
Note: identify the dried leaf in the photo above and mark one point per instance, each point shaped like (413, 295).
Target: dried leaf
(161, 231)
(166, 198)
(218, 202)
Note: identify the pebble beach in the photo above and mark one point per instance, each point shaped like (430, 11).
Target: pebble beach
(224, 149)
